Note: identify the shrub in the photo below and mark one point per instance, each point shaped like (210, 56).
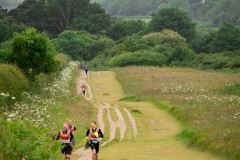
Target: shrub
(182, 56)
(166, 36)
(62, 59)
(27, 141)
(12, 81)
(138, 58)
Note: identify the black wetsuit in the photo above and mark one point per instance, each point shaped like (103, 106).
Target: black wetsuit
(95, 145)
(70, 127)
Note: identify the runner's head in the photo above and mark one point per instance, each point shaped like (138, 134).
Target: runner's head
(70, 122)
(93, 124)
(65, 126)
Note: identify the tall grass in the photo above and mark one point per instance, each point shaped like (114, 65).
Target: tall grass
(205, 102)
(27, 129)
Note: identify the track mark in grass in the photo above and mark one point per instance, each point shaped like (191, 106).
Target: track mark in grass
(133, 122)
(106, 125)
(128, 136)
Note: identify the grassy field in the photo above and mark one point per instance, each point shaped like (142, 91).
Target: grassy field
(205, 102)
(147, 19)
(157, 130)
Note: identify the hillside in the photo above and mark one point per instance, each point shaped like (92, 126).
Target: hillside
(212, 11)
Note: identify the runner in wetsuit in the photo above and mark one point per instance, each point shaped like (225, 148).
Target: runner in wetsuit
(65, 135)
(73, 131)
(94, 133)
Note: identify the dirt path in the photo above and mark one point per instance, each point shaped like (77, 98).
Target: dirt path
(120, 123)
(149, 134)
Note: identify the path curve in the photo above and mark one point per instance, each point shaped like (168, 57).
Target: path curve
(120, 123)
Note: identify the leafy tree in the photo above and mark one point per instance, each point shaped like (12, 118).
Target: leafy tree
(4, 34)
(203, 39)
(81, 44)
(174, 19)
(227, 39)
(123, 28)
(94, 20)
(55, 16)
(33, 53)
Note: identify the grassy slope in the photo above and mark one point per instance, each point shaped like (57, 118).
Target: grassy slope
(156, 128)
(192, 97)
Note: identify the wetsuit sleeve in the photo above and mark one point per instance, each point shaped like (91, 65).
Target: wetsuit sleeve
(58, 136)
(87, 133)
(71, 136)
(100, 133)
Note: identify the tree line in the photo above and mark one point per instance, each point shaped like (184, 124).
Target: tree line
(83, 31)
(212, 12)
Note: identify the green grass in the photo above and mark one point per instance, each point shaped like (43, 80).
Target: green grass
(113, 114)
(130, 98)
(147, 19)
(210, 119)
(157, 130)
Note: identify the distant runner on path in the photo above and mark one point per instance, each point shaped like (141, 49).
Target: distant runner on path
(94, 133)
(83, 87)
(86, 69)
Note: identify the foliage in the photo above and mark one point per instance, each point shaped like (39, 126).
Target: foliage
(27, 141)
(123, 28)
(81, 44)
(209, 13)
(227, 59)
(166, 36)
(33, 53)
(12, 82)
(227, 39)
(33, 120)
(55, 16)
(203, 39)
(62, 60)
(139, 58)
(173, 19)
(181, 56)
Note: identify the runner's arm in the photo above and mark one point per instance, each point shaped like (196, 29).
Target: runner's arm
(71, 136)
(87, 133)
(100, 134)
(58, 136)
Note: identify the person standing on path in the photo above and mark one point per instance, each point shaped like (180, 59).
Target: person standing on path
(83, 87)
(86, 69)
(94, 133)
(65, 135)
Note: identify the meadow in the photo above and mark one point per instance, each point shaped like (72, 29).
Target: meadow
(205, 102)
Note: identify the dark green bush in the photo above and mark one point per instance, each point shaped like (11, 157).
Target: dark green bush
(182, 56)
(138, 58)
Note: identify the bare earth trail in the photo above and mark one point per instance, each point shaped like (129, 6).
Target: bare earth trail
(148, 134)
